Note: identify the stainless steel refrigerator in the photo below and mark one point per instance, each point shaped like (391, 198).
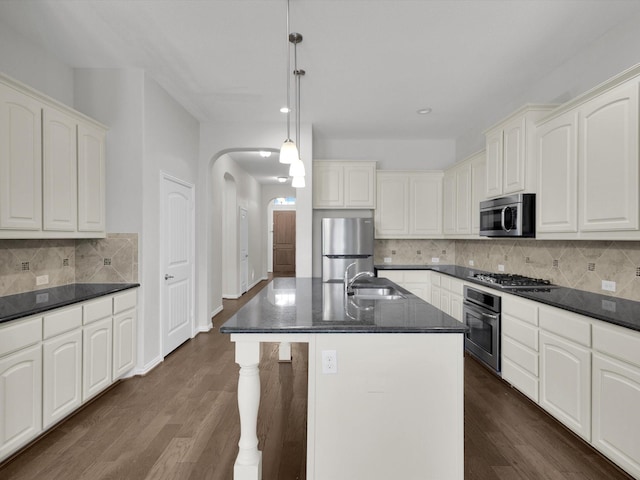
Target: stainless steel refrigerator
(344, 241)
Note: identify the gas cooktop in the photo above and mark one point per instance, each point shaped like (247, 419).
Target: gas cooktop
(506, 280)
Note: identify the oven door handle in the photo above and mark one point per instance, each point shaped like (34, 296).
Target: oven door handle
(476, 310)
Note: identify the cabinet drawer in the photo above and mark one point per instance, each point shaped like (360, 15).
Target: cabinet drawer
(566, 324)
(124, 301)
(97, 309)
(521, 379)
(396, 276)
(436, 279)
(62, 321)
(522, 356)
(521, 309)
(520, 331)
(19, 334)
(445, 282)
(617, 342)
(416, 276)
(456, 286)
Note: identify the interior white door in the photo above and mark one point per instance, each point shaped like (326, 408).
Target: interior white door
(244, 250)
(177, 247)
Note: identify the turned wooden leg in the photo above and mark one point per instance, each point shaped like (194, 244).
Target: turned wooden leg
(248, 464)
(284, 352)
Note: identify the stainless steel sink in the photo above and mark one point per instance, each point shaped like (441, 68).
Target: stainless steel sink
(376, 293)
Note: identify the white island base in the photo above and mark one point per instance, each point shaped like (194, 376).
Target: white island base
(393, 409)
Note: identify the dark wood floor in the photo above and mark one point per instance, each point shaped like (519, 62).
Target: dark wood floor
(180, 422)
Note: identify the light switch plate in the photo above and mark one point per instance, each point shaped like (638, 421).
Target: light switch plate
(471, 263)
(609, 286)
(42, 279)
(501, 268)
(387, 260)
(435, 260)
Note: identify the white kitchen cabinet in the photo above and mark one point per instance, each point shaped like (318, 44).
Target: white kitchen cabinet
(343, 184)
(565, 368)
(510, 151)
(616, 395)
(463, 190)
(416, 281)
(59, 171)
(52, 166)
(91, 179)
(124, 333)
(447, 294)
(62, 364)
(557, 197)
(21, 398)
(20, 161)
(520, 344)
(409, 205)
(96, 357)
(608, 169)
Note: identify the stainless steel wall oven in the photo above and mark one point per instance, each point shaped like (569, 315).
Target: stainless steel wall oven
(481, 313)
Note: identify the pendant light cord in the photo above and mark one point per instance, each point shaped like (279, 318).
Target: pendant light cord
(288, 76)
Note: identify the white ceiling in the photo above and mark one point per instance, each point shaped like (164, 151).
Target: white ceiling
(370, 63)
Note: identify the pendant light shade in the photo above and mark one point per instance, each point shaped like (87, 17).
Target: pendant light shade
(297, 169)
(288, 152)
(298, 182)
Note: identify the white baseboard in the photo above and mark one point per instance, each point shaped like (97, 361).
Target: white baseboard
(149, 366)
(216, 311)
(257, 282)
(231, 297)
(204, 328)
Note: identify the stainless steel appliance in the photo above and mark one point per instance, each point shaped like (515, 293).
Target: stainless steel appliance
(481, 313)
(510, 281)
(345, 241)
(511, 216)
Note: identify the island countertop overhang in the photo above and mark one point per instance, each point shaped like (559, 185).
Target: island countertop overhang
(309, 306)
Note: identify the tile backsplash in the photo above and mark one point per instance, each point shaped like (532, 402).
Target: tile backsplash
(113, 259)
(576, 264)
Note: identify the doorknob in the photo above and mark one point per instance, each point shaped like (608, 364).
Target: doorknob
(167, 276)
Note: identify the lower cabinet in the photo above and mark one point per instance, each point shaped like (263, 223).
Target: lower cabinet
(62, 376)
(96, 357)
(565, 382)
(20, 398)
(124, 342)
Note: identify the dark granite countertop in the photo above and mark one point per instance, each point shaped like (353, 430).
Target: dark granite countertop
(38, 301)
(306, 305)
(618, 311)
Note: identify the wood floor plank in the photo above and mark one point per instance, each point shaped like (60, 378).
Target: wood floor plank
(180, 421)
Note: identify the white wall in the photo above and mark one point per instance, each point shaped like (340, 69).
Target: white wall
(408, 154)
(215, 139)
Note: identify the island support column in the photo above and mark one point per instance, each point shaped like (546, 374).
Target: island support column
(248, 464)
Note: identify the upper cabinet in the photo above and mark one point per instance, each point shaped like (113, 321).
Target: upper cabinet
(588, 172)
(463, 190)
(52, 168)
(510, 164)
(342, 184)
(409, 205)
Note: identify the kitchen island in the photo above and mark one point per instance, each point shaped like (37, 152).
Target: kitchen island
(385, 383)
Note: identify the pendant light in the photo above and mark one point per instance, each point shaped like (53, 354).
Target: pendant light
(296, 170)
(288, 150)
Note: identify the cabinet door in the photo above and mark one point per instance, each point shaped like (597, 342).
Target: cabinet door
(20, 161)
(478, 189)
(426, 205)
(328, 186)
(59, 171)
(392, 206)
(494, 164)
(455, 306)
(436, 296)
(463, 199)
(616, 421)
(359, 186)
(557, 193)
(124, 342)
(609, 161)
(20, 398)
(449, 202)
(61, 376)
(91, 179)
(565, 382)
(96, 357)
(514, 155)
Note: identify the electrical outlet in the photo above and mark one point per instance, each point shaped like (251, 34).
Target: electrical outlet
(329, 361)
(42, 279)
(471, 263)
(435, 260)
(387, 260)
(609, 286)
(501, 268)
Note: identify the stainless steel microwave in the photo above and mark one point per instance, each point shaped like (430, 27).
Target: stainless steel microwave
(510, 216)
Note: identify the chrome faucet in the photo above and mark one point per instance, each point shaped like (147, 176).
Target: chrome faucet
(348, 284)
